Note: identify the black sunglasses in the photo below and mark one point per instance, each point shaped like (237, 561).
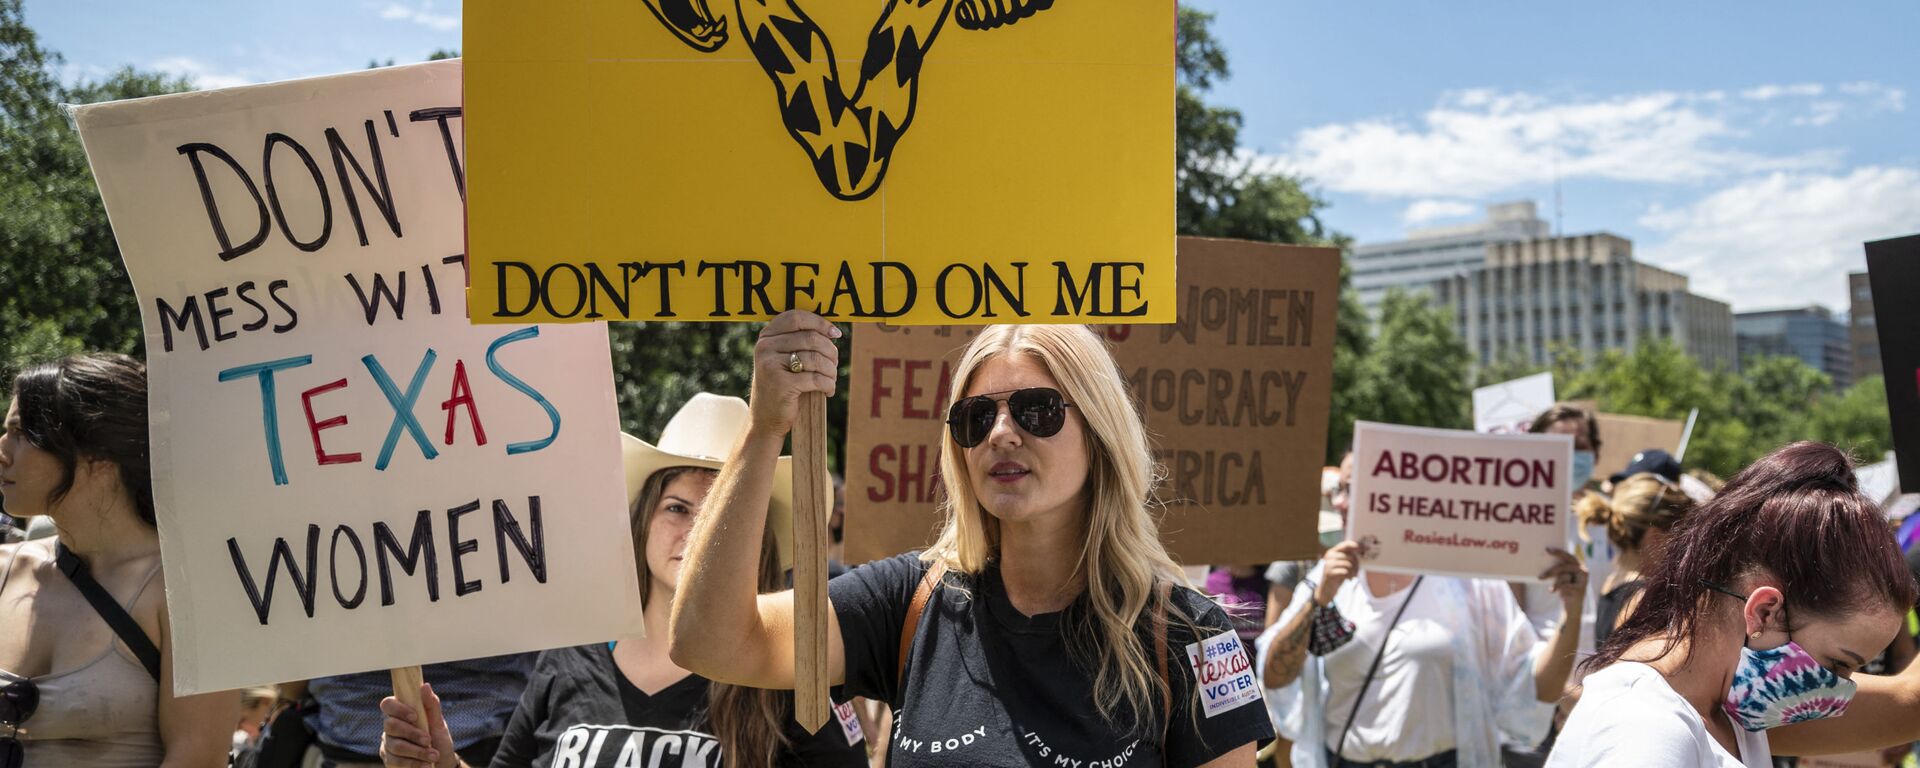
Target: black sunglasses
(1041, 411)
(19, 697)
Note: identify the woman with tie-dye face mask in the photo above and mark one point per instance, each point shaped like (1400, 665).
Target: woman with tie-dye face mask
(1757, 612)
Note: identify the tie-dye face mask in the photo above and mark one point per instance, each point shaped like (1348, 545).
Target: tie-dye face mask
(1783, 686)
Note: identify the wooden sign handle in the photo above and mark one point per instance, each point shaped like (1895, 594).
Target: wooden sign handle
(406, 688)
(811, 505)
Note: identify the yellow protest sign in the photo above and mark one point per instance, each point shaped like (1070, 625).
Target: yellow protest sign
(917, 161)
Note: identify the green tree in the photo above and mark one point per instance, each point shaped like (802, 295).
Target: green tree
(1415, 371)
(1855, 419)
(1221, 193)
(1351, 344)
(65, 288)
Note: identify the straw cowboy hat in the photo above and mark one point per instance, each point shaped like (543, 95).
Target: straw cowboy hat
(701, 435)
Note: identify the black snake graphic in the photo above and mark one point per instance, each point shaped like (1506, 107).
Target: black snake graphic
(850, 138)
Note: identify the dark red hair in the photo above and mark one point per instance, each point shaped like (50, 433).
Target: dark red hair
(1797, 515)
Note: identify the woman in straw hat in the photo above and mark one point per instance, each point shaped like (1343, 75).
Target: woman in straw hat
(1043, 626)
(626, 703)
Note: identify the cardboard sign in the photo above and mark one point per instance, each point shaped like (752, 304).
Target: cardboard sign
(348, 475)
(1236, 396)
(944, 161)
(1511, 406)
(1623, 437)
(1893, 271)
(1458, 503)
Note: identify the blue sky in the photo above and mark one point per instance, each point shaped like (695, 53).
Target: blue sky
(1752, 145)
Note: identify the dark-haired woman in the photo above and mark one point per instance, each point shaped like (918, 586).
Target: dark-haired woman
(80, 684)
(1764, 602)
(626, 704)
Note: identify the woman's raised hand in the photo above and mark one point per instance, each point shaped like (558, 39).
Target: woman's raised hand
(1339, 564)
(795, 355)
(1568, 578)
(416, 740)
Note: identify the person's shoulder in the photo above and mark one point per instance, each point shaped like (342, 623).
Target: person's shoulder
(572, 657)
(1628, 709)
(28, 553)
(901, 571)
(1209, 618)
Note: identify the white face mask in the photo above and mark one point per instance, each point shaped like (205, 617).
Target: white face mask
(1582, 467)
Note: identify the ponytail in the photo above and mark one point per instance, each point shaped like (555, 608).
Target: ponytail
(1640, 503)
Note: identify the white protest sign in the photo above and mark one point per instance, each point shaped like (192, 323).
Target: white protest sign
(348, 475)
(1453, 502)
(1510, 406)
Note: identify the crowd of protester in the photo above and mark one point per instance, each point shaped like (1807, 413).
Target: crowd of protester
(1728, 623)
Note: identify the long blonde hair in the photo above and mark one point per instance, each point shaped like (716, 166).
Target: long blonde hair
(749, 722)
(1121, 556)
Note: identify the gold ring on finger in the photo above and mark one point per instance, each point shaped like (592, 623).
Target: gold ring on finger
(794, 365)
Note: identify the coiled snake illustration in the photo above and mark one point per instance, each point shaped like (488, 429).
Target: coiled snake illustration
(850, 138)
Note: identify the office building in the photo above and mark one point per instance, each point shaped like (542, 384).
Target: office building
(1585, 293)
(1863, 338)
(1433, 254)
(1809, 333)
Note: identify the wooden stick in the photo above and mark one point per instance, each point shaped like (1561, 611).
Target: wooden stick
(406, 688)
(811, 506)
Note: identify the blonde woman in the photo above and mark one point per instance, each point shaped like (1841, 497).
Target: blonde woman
(1049, 631)
(1643, 509)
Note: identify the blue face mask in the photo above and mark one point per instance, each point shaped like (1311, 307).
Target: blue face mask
(1582, 468)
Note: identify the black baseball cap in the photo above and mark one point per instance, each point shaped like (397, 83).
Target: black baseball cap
(1653, 460)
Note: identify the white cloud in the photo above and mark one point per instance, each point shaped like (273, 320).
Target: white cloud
(1821, 113)
(421, 13)
(1785, 239)
(1423, 211)
(1884, 97)
(202, 75)
(1481, 142)
(1771, 92)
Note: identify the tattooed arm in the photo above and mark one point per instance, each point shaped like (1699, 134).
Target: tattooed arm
(1289, 649)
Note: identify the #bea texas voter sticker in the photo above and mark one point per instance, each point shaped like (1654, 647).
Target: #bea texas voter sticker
(1222, 673)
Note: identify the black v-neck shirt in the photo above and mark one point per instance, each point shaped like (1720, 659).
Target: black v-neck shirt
(988, 686)
(580, 711)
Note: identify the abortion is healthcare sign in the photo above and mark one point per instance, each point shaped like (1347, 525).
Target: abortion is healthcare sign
(349, 475)
(1458, 503)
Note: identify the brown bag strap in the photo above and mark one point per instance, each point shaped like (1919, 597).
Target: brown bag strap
(914, 609)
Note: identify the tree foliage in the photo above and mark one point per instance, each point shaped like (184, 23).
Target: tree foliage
(65, 288)
(1415, 370)
(1769, 402)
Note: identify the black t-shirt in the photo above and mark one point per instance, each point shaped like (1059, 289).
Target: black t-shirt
(579, 710)
(987, 686)
(1606, 613)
